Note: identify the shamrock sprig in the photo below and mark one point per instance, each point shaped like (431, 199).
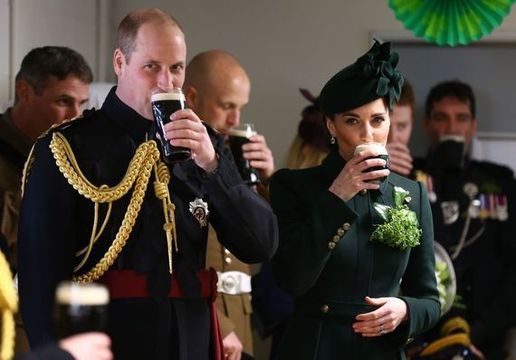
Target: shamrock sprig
(401, 228)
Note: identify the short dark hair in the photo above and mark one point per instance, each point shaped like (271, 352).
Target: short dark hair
(452, 88)
(407, 95)
(131, 23)
(45, 62)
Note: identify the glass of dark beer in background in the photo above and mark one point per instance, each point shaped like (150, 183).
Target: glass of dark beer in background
(238, 136)
(382, 154)
(165, 104)
(80, 308)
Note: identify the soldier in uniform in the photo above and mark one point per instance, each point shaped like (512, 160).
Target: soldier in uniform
(51, 86)
(90, 213)
(217, 88)
(473, 205)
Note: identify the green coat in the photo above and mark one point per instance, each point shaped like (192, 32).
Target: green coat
(330, 275)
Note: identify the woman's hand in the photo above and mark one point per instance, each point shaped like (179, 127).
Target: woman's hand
(391, 313)
(352, 178)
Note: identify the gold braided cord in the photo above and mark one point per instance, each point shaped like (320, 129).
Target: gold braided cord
(8, 306)
(162, 179)
(138, 173)
(67, 163)
(26, 170)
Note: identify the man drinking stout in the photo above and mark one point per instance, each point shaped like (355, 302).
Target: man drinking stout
(164, 105)
(237, 138)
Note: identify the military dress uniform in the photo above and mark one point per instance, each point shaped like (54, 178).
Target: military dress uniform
(14, 149)
(152, 315)
(473, 208)
(234, 287)
(327, 262)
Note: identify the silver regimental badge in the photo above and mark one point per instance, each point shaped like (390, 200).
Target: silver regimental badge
(471, 190)
(450, 211)
(199, 210)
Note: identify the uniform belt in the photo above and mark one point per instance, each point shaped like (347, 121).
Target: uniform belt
(123, 284)
(233, 283)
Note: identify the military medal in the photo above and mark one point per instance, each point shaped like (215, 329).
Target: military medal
(199, 210)
(450, 211)
(484, 213)
(501, 208)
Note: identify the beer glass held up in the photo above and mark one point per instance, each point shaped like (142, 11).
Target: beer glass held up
(165, 104)
(239, 136)
(382, 154)
(80, 308)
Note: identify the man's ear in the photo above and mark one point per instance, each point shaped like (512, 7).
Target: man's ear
(118, 61)
(23, 90)
(191, 96)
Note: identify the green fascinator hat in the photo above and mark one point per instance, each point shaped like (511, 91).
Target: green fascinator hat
(372, 76)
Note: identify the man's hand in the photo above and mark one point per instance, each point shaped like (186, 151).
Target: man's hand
(400, 160)
(232, 347)
(260, 156)
(187, 130)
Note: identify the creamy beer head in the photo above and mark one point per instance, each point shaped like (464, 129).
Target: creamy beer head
(379, 148)
(169, 96)
(237, 137)
(82, 294)
(245, 132)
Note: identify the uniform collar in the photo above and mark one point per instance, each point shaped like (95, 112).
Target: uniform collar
(125, 116)
(333, 164)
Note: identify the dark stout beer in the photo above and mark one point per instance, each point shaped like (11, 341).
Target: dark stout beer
(382, 154)
(237, 137)
(80, 308)
(164, 105)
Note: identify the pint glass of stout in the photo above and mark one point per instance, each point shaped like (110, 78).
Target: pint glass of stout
(80, 308)
(382, 154)
(239, 136)
(164, 105)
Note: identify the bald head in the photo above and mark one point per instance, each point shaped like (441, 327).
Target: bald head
(217, 88)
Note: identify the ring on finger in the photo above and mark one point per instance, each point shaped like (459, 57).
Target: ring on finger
(382, 330)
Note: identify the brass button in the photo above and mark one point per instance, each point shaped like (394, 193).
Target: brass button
(363, 192)
(325, 308)
(228, 260)
(341, 231)
(336, 238)
(331, 245)
(226, 251)
(346, 226)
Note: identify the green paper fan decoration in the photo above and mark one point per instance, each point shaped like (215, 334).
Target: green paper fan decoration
(451, 22)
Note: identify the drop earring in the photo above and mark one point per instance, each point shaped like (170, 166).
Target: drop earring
(332, 140)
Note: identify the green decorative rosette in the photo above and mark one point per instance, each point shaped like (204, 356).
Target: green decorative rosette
(401, 228)
(451, 22)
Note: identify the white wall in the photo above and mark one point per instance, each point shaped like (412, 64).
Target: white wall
(284, 44)
(25, 24)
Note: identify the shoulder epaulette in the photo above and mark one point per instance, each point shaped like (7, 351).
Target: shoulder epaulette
(68, 122)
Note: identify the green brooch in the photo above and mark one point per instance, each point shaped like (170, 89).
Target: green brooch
(401, 228)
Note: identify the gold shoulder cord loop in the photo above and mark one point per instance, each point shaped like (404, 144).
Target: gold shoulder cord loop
(138, 173)
(162, 176)
(8, 306)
